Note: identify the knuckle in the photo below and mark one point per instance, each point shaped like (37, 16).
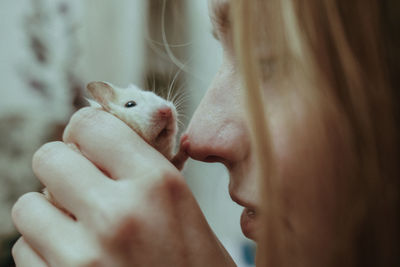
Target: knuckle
(101, 201)
(81, 119)
(87, 260)
(16, 248)
(117, 227)
(124, 234)
(107, 210)
(167, 172)
(171, 184)
(175, 185)
(93, 263)
(44, 154)
(173, 179)
(23, 203)
(88, 252)
(75, 259)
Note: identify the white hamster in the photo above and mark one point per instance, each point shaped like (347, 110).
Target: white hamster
(152, 117)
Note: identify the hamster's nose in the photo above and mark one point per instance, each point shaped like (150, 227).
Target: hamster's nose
(164, 112)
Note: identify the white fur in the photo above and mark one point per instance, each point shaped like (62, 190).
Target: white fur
(141, 118)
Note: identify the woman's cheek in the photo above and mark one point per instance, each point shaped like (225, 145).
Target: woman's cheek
(311, 166)
(308, 193)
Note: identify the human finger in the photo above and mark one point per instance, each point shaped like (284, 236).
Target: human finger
(25, 256)
(180, 158)
(58, 239)
(68, 175)
(42, 225)
(111, 145)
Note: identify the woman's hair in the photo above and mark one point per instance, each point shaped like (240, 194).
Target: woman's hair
(343, 53)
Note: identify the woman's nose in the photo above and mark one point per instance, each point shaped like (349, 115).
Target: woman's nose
(217, 131)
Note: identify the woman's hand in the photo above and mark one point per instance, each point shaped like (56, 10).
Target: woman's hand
(119, 203)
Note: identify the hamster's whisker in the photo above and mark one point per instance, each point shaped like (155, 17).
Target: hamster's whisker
(181, 108)
(173, 82)
(181, 118)
(178, 96)
(182, 101)
(180, 124)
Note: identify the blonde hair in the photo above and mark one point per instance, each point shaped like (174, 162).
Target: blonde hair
(348, 51)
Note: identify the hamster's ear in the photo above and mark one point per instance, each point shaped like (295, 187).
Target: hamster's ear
(102, 93)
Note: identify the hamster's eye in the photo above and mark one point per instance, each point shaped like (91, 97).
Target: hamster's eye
(130, 104)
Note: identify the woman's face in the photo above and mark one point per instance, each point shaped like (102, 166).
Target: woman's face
(306, 146)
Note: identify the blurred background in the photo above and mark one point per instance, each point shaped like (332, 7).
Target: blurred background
(49, 51)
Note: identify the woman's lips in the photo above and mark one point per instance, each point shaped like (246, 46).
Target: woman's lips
(248, 219)
(248, 223)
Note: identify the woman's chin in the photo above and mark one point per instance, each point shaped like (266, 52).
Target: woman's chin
(248, 223)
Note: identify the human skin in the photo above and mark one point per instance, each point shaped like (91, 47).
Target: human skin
(148, 217)
(309, 145)
(143, 216)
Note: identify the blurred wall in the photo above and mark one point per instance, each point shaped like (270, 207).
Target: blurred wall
(38, 59)
(113, 41)
(38, 56)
